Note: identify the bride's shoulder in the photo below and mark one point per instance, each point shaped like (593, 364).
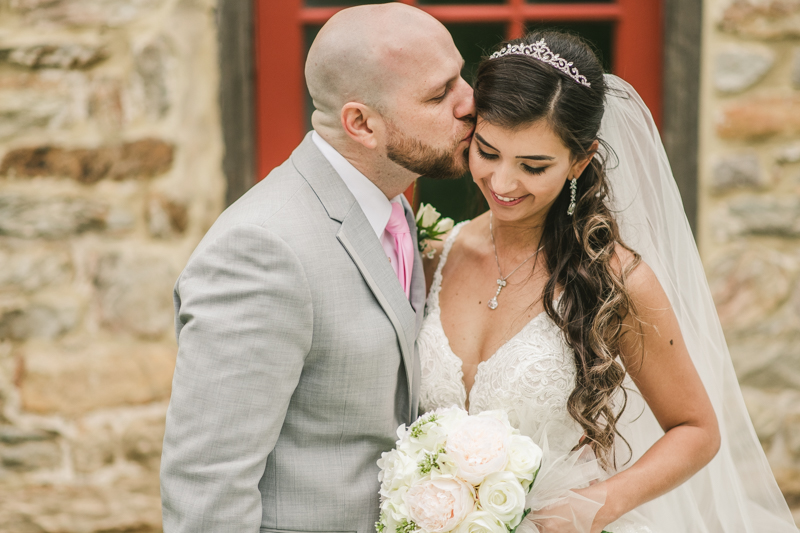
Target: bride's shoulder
(640, 280)
(433, 254)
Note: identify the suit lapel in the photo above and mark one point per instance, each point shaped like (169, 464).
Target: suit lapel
(358, 238)
(360, 241)
(418, 292)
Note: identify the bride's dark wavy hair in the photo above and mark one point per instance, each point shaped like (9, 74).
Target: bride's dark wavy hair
(513, 92)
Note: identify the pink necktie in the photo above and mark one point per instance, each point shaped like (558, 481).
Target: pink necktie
(398, 228)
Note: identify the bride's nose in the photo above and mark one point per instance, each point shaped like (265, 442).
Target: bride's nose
(503, 183)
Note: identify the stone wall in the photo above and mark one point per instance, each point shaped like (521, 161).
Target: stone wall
(110, 173)
(750, 210)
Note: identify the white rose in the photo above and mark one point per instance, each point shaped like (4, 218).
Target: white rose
(394, 510)
(450, 417)
(397, 470)
(425, 434)
(439, 505)
(524, 459)
(427, 215)
(500, 415)
(481, 522)
(444, 225)
(479, 447)
(431, 439)
(502, 495)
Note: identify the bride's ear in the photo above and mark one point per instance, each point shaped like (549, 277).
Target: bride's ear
(360, 123)
(581, 164)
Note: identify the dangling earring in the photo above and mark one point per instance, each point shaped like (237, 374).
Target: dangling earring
(573, 191)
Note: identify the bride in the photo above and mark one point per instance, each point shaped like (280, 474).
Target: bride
(579, 306)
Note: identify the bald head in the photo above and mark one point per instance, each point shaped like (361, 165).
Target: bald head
(365, 54)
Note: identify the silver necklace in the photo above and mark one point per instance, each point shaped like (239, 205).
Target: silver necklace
(501, 281)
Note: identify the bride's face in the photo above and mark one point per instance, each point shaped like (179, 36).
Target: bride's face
(522, 171)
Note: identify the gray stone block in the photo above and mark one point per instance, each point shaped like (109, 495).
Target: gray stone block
(767, 215)
(737, 170)
(737, 68)
(66, 56)
(788, 154)
(32, 216)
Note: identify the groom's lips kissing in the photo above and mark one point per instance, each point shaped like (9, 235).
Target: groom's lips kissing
(506, 200)
(468, 137)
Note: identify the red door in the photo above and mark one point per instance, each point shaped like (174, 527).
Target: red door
(283, 27)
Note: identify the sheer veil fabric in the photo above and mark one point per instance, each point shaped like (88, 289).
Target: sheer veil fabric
(737, 491)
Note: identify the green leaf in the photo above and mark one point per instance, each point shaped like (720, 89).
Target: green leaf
(430, 462)
(407, 527)
(416, 428)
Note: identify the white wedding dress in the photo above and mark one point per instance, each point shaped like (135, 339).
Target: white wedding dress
(530, 377)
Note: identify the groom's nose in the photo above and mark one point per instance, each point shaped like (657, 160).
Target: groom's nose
(465, 107)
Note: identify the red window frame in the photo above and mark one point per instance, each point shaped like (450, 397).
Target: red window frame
(279, 24)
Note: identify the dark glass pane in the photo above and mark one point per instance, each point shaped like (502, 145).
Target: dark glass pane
(340, 3)
(460, 2)
(309, 34)
(599, 34)
(570, 1)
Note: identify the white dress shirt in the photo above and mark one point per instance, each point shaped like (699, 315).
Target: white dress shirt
(376, 207)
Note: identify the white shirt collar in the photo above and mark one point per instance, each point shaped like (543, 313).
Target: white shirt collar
(370, 198)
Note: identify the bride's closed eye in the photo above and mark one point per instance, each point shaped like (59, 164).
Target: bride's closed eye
(485, 155)
(535, 171)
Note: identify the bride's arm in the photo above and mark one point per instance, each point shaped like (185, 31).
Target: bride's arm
(658, 361)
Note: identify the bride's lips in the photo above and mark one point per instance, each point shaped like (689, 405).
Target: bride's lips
(506, 200)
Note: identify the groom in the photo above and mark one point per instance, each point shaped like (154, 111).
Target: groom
(297, 314)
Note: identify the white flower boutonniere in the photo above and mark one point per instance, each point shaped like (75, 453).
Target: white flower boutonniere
(430, 227)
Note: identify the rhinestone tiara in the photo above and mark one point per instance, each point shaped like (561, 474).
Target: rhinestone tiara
(540, 51)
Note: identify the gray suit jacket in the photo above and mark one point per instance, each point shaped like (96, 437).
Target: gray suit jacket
(296, 362)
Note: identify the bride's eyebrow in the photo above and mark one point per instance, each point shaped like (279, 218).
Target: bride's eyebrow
(536, 157)
(531, 157)
(483, 141)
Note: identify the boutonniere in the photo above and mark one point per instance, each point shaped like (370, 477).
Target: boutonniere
(431, 225)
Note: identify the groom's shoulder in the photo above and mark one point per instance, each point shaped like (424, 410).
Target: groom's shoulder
(281, 192)
(283, 203)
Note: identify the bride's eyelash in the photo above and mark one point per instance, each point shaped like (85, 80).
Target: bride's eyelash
(484, 155)
(534, 171)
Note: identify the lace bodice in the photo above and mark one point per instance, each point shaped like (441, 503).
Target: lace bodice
(530, 377)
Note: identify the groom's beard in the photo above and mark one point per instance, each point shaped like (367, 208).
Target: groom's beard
(425, 160)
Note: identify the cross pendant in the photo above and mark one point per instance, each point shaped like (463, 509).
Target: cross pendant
(493, 302)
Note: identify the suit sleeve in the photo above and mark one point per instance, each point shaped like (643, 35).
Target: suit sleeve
(244, 317)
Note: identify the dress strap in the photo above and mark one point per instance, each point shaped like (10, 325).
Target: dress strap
(436, 284)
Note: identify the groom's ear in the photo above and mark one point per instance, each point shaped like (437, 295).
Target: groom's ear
(361, 123)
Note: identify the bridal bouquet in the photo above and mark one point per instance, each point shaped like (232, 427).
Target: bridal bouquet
(452, 471)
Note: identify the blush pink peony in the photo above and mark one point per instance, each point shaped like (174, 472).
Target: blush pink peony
(479, 446)
(439, 505)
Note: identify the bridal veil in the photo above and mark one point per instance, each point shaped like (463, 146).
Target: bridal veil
(736, 492)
